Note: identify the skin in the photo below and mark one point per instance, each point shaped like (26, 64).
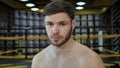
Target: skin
(64, 52)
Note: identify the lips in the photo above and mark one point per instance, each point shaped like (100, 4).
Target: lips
(55, 38)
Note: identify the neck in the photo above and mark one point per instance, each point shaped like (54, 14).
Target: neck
(64, 48)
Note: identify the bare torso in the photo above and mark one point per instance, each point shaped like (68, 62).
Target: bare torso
(67, 59)
(77, 57)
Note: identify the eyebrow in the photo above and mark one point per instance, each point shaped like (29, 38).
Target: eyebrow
(63, 21)
(48, 22)
(58, 22)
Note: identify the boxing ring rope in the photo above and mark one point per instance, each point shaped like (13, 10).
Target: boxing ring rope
(105, 36)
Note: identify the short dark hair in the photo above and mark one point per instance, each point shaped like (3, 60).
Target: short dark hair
(59, 6)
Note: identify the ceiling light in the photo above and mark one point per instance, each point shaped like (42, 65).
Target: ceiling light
(24, 0)
(30, 4)
(79, 8)
(80, 3)
(34, 9)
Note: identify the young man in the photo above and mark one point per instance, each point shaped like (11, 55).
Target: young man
(64, 52)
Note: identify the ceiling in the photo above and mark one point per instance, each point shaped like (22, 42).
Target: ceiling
(91, 7)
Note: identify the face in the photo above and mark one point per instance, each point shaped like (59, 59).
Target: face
(59, 28)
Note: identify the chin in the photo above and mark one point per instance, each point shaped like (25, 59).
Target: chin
(57, 45)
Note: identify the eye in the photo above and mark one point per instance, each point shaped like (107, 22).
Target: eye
(50, 23)
(62, 23)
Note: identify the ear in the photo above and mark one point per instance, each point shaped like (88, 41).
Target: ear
(73, 23)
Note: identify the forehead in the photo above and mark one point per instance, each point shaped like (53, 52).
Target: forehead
(57, 17)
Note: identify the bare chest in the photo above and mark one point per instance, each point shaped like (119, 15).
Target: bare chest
(62, 62)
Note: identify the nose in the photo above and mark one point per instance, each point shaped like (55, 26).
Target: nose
(55, 29)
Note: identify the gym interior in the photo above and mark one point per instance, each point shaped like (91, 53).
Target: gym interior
(22, 31)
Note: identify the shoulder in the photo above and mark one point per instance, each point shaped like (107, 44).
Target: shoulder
(42, 52)
(39, 58)
(87, 52)
(91, 59)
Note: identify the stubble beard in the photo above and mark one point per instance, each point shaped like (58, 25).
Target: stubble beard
(63, 41)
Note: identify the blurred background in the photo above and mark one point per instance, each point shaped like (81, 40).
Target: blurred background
(22, 31)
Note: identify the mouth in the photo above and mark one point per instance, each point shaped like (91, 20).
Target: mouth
(55, 38)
